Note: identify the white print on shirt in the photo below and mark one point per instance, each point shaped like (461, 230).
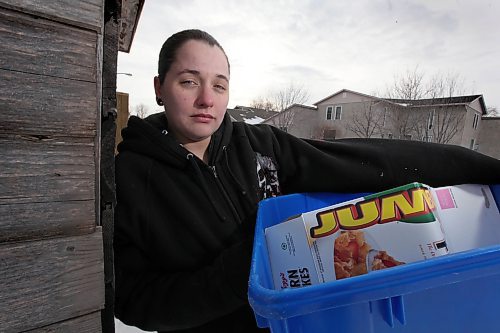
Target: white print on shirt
(269, 184)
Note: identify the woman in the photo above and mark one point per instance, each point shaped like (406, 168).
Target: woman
(189, 181)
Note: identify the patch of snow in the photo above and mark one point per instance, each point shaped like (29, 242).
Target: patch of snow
(122, 328)
(254, 120)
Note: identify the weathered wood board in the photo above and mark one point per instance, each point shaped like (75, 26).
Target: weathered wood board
(38, 46)
(51, 249)
(82, 13)
(51, 280)
(90, 323)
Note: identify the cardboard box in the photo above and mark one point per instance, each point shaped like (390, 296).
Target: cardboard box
(356, 237)
(469, 216)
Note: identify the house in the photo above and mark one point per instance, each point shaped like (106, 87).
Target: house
(58, 101)
(489, 136)
(293, 118)
(349, 114)
(249, 115)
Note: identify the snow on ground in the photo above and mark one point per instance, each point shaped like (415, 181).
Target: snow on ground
(122, 328)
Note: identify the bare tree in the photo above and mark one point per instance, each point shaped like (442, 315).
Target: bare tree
(323, 131)
(440, 86)
(141, 110)
(492, 111)
(409, 85)
(425, 113)
(263, 104)
(404, 121)
(281, 101)
(367, 120)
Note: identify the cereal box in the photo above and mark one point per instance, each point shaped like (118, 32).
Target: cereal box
(355, 237)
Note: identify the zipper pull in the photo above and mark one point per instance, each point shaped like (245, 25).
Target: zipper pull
(213, 170)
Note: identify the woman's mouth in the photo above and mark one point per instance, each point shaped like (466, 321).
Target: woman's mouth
(203, 117)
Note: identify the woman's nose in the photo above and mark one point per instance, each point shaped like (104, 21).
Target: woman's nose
(205, 97)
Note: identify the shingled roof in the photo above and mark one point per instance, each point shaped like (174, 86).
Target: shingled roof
(249, 115)
(439, 101)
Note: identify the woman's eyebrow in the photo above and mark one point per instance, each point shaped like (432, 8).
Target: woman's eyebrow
(223, 77)
(197, 73)
(188, 71)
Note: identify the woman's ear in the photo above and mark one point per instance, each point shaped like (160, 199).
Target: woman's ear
(157, 86)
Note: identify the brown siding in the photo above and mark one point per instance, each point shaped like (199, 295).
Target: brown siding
(50, 280)
(82, 13)
(90, 323)
(51, 250)
(122, 116)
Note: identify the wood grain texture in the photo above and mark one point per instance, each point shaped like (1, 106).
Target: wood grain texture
(47, 187)
(90, 323)
(46, 107)
(21, 222)
(39, 46)
(82, 13)
(43, 170)
(50, 281)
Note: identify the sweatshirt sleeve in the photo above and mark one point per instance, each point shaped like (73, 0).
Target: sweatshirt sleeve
(154, 298)
(368, 165)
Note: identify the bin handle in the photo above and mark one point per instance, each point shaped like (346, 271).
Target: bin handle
(390, 308)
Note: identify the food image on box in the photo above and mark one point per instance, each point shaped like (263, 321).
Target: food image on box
(354, 256)
(356, 237)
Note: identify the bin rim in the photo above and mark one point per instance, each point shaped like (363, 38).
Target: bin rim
(397, 281)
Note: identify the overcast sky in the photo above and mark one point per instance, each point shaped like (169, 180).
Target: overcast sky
(325, 45)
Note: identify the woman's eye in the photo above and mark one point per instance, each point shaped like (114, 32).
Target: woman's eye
(220, 87)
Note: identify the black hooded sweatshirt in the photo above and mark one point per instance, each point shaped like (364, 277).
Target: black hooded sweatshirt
(184, 229)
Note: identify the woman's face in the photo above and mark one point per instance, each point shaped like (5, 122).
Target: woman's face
(195, 91)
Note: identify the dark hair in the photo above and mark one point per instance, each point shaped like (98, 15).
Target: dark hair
(169, 49)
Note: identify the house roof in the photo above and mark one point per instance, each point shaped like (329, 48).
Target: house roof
(250, 115)
(313, 108)
(456, 100)
(346, 90)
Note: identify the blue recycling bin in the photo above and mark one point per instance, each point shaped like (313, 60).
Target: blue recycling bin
(454, 293)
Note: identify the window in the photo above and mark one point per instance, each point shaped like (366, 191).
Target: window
(427, 138)
(329, 134)
(329, 112)
(338, 112)
(475, 121)
(430, 121)
(473, 144)
(330, 115)
(385, 117)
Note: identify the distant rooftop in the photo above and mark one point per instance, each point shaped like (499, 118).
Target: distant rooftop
(250, 115)
(435, 101)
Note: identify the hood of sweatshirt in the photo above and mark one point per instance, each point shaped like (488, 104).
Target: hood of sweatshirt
(150, 137)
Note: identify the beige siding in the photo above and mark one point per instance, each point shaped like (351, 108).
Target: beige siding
(489, 138)
(469, 132)
(303, 121)
(476, 105)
